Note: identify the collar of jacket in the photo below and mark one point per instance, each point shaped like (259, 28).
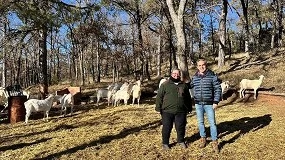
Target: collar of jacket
(202, 75)
(170, 81)
(207, 73)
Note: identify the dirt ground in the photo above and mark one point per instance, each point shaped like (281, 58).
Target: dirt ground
(248, 129)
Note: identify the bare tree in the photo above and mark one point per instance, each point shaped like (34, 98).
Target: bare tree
(178, 21)
(222, 33)
(3, 37)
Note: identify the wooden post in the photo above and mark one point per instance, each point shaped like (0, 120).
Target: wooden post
(17, 111)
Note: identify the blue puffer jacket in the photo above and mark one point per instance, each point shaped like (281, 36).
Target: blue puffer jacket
(207, 88)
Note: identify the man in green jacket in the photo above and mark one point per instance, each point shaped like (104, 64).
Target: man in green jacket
(173, 101)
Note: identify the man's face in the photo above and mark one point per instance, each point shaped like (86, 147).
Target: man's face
(175, 74)
(202, 66)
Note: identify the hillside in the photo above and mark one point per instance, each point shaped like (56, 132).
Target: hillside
(248, 128)
(269, 64)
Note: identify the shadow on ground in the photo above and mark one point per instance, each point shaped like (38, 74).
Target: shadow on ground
(243, 125)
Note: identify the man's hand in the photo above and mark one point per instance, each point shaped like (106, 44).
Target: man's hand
(215, 106)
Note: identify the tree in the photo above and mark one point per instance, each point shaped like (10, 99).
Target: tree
(222, 33)
(3, 39)
(178, 22)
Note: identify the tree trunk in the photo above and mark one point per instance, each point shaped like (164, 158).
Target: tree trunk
(58, 68)
(246, 25)
(213, 37)
(280, 25)
(93, 55)
(43, 78)
(81, 67)
(141, 52)
(222, 34)
(98, 62)
(178, 22)
(4, 72)
(158, 57)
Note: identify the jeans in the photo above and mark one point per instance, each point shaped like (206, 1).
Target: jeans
(179, 120)
(210, 112)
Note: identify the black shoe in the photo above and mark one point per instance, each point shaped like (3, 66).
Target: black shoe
(165, 147)
(183, 145)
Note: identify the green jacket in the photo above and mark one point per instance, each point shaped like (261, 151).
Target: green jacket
(172, 98)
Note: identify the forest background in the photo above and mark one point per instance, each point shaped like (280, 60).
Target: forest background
(83, 41)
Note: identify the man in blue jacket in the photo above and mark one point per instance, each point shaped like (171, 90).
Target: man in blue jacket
(207, 94)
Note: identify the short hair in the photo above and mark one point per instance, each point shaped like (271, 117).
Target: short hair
(201, 59)
(175, 69)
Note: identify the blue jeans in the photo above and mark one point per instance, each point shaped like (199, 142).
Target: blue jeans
(210, 112)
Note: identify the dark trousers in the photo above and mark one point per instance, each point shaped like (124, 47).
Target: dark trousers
(167, 123)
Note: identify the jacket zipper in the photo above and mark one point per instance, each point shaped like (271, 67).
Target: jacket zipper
(201, 84)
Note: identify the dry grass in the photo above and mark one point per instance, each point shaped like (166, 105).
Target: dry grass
(249, 129)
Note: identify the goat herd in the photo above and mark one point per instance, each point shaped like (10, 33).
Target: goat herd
(114, 94)
(118, 91)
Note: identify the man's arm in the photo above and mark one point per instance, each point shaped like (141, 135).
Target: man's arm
(217, 90)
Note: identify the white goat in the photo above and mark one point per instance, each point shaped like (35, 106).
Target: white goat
(106, 93)
(123, 94)
(225, 85)
(162, 81)
(3, 92)
(136, 91)
(250, 84)
(165, 79)
(103, 93)
(35, 105)
(115, 86)
(124, 86)
(26, 93)
(191, 92)
(65, 101)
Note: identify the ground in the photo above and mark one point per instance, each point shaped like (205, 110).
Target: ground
(249, 129)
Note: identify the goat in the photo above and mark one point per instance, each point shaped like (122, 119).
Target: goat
(136, 92)
(224, 85)
(26, 93)
(3, 92)
(101, 93)
(124, 86)
(65, 101)
(35, 105)
(250, 84)
(165, 79)
(162, 81)
(191, 91)
(115, 86)
(105, 93)
(123, 94)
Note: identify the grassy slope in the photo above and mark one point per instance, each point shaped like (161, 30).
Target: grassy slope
(249, 129)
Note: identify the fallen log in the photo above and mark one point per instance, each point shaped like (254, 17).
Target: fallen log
(267, 93)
